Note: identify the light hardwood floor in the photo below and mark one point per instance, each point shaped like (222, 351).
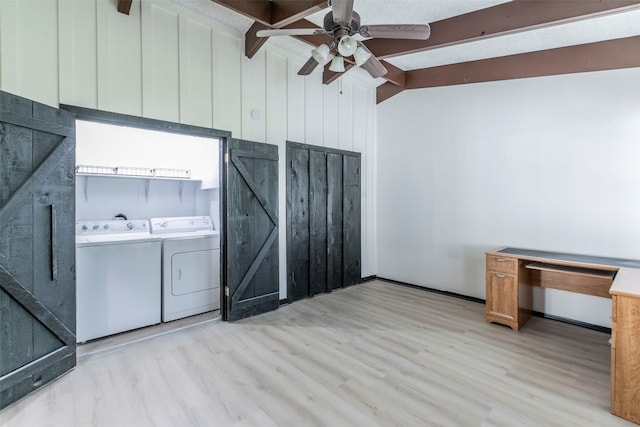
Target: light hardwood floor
(372, 354)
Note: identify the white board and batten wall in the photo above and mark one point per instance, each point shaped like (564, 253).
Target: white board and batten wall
(167, 62)
(548, 163)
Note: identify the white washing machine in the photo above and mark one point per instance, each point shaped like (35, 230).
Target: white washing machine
(190, 265)
(117, 277)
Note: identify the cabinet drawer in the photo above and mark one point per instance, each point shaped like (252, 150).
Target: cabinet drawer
(502, 264)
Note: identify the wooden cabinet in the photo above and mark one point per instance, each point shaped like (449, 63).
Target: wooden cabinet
(502, 291)
(625, 363)
(508, 294)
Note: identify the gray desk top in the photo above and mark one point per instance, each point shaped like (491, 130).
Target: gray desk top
(587, 259)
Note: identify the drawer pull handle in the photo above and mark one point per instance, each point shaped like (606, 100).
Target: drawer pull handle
(501, 259)
(501, 275)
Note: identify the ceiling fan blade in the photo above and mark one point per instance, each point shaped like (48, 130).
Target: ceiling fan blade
(308, 67)
(414, 32)
(374, 67)
(291, 32)
(342, 11)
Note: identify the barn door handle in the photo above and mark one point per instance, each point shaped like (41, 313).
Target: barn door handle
(54, 252)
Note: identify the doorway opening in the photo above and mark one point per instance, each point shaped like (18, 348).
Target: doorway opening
(148, 223)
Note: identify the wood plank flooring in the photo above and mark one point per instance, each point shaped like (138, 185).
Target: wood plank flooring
(376, 354)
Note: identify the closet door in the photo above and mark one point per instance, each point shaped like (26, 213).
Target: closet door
(298, 223)
(323, 212)
(351, 229)
(317, 222)
(37, 246)
(335, 218)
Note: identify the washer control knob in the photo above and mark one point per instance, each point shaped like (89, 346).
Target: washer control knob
(84, 227)
(106, 226)
(96, 226)
(130, 226)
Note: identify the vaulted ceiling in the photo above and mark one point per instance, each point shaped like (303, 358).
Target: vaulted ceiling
(471, 40)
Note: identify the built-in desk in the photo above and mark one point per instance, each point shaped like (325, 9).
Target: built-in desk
(512, 272)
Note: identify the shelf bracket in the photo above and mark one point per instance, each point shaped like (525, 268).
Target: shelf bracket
(86, 188)
(147, 183)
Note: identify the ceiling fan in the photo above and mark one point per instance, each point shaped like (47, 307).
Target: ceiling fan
(343, 23)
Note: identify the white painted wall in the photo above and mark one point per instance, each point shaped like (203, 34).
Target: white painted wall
(107, 145)
(167, 62)
(544, 163)
(100, 144)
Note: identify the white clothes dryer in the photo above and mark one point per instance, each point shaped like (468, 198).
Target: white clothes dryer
(190, 265)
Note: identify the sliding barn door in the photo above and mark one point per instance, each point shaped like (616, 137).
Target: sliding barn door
(298, 236)
(335, 222)
(323, 220)
(351, 232)
(37, 246)
(251, 229)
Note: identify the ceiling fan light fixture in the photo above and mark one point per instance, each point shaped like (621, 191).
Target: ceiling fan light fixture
(361, 56)
(321, 54)
(337, 64)
(347, 45)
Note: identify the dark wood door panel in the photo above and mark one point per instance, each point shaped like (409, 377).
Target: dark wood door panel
(251, 261)
(298, 214)
(317, 222)
(352, 209)
(37, 245)
(324, 216)
(335, 276)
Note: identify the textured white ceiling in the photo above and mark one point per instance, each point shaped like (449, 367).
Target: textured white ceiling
(587, 31)
(373, 12)
(624, 24)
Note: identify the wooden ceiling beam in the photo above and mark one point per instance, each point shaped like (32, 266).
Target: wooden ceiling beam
(386, 91)
(506, 18)
(394, 74)
(285, 12)
(252, 43)
(124, 6)
(605, 55)
(274, 13)
(258, 10)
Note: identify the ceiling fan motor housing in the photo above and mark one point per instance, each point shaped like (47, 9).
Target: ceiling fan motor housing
(338, 30)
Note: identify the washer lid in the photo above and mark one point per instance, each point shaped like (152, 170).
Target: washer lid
(111, 239)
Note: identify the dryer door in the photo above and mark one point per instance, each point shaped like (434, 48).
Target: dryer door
(188, 274)
(190, 277)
